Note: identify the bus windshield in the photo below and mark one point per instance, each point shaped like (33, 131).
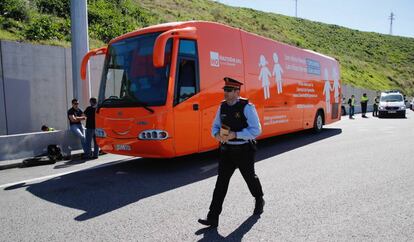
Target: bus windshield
(129, 77)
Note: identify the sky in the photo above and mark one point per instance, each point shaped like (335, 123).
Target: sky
(364, 15)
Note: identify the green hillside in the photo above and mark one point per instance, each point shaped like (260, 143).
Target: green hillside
(368, 60)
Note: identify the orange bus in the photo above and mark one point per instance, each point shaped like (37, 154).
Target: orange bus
(161, 87)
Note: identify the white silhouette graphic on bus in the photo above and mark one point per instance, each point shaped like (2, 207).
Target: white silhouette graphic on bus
(277, 72)
(336, 84)
(264, 76)
(327, 92)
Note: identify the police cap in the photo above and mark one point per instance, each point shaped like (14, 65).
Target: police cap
(231, 83)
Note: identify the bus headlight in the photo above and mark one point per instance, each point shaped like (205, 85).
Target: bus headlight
(100, 133)
(153, 134)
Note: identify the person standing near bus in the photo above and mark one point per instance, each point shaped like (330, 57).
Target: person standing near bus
(351, 103)
(75, 116)
(235, 126)
(90, 129)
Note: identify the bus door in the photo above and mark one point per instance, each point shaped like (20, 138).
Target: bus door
(186, 100)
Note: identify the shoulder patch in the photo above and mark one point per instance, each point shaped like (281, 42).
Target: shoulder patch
(244, 100)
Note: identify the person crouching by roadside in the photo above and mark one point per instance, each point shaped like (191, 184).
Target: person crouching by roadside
(75, 116)
(90, 129)
(45, 128)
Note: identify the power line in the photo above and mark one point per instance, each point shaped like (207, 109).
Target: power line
(391, 18)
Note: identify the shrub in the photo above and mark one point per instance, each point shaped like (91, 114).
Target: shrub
(46, 27)
(109, 19)
(60, 8)
(15, 9)
(11, 24)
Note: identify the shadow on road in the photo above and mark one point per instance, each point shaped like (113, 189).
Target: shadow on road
(105, 189)
(211, 234)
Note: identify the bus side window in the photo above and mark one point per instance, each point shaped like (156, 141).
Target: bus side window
(187, 76)
(186, 80)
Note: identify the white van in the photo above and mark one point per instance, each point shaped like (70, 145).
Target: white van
(391, 103)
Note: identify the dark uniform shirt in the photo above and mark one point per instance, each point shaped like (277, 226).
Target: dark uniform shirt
(248, 115)
(233, 116)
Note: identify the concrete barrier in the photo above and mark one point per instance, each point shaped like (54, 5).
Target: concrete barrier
(32, 144)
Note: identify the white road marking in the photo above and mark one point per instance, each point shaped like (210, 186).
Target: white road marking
(208, 167)
(62, 174)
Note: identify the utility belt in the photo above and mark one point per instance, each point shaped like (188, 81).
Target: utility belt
(234, 147)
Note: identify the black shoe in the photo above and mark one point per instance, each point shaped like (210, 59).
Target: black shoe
(258, 208)
(209, 222)
(85, 156)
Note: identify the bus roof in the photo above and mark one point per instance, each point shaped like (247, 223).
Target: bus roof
(171, 25)
(150, 29)
(317, 53)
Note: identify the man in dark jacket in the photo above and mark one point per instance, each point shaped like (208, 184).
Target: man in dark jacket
(90, 129)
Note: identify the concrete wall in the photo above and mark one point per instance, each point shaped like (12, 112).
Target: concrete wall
(34, 78)
(36, 86)
(32, 144)
(347, 91)
(3, 122)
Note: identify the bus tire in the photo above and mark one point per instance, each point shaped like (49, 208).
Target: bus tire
(318, 122)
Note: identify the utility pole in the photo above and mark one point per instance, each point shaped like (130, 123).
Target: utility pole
(391, 18)
(80, 46)
(296, 8)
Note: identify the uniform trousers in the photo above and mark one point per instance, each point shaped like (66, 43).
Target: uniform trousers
(232, 157)
(364, 108)
(375, 113)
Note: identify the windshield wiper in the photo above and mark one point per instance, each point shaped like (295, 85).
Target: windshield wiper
(125, 99)
(111, 98)
(140, 103)
(144, 105)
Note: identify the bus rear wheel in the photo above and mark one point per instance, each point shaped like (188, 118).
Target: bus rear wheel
(318, 123)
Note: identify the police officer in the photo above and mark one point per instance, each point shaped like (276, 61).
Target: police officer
(376, 104)
(235, 126)
(364, 105)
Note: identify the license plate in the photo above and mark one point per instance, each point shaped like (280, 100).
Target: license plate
(122, 147)
(392, 111)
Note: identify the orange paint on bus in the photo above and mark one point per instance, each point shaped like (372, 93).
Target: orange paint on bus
(288, 86)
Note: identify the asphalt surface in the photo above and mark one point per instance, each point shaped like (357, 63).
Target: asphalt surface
(352, 182)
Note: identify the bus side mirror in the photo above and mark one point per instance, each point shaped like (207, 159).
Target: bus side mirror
(84, 64)
(161, 41)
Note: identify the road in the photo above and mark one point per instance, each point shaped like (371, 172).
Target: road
(352, 182)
